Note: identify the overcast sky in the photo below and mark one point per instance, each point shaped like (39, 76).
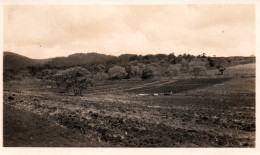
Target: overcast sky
(49, 31)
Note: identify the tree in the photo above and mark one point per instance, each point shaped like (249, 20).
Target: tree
(172, 58)
(101, 76)
(196, 71)
(148, 72)
(184, 66)
(203, 55)
(136, 71)
(146, 59)
(32, 70)
(76, 78)
(211, 62)
(117, 72)
(197, 66)
(221, 69)
(133, 58)
(221, 62)
(173, 70)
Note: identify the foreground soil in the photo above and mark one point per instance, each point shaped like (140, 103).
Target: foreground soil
(188, 119)
(23, 129)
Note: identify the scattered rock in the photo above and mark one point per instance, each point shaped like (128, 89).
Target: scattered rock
(36, 99)
(205, 118)
(11, 98)
(94, 115)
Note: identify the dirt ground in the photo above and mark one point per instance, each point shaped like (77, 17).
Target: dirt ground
(25, 129)
(204, 112)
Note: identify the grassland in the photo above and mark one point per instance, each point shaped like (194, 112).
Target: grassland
(210, 111)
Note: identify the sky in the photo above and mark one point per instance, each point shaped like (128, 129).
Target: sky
(46, 31)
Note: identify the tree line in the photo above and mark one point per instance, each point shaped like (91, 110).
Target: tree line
(80, 76)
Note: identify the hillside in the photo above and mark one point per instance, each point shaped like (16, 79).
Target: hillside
(15, 61)
(81, 59)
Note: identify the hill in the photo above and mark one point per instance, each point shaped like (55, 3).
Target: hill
(15, 61)
(81, 59)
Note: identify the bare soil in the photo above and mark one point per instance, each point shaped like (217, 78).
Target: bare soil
(25, 129)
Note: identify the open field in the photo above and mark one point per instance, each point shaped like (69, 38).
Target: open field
(211, 111)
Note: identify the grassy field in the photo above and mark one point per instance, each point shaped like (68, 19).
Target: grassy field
(211, 111)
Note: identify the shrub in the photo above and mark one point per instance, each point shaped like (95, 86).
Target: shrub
(197, 66)
(101, 76)
(211, 62)
(173, 70)
(221, 69)
(196, 71)
(147, 73)
(184, 66)
(77, 78)
(136, 71)
(117, 72)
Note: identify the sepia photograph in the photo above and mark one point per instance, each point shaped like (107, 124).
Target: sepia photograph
(129, 76)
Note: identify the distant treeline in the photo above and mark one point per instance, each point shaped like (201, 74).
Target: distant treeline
(107, 66)
(14, 61)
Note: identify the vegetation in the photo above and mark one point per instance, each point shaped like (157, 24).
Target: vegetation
(77, 78)
(173, 70)
(197, 66)
(221, 69)
(104, 67)
(147, 72)
(117, 72)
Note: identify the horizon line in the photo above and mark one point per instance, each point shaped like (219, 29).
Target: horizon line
(251, 55)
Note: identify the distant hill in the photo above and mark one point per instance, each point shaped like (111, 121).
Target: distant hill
(15, 61)
(81, 59)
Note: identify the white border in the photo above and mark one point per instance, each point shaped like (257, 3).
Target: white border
(119, 151)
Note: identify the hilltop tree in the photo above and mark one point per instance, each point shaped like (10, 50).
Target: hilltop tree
(133, 58)
(172, 58)
(211, 62)
(203, 55)
(76, 78)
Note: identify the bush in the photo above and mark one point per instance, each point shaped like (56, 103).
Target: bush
(197, 66)
(184, 66)
(101, 76)
(221, 69)
(117, 72)
(77, 78)
(196, 71)
(173, 70)
(136, 71)
(147, 73)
